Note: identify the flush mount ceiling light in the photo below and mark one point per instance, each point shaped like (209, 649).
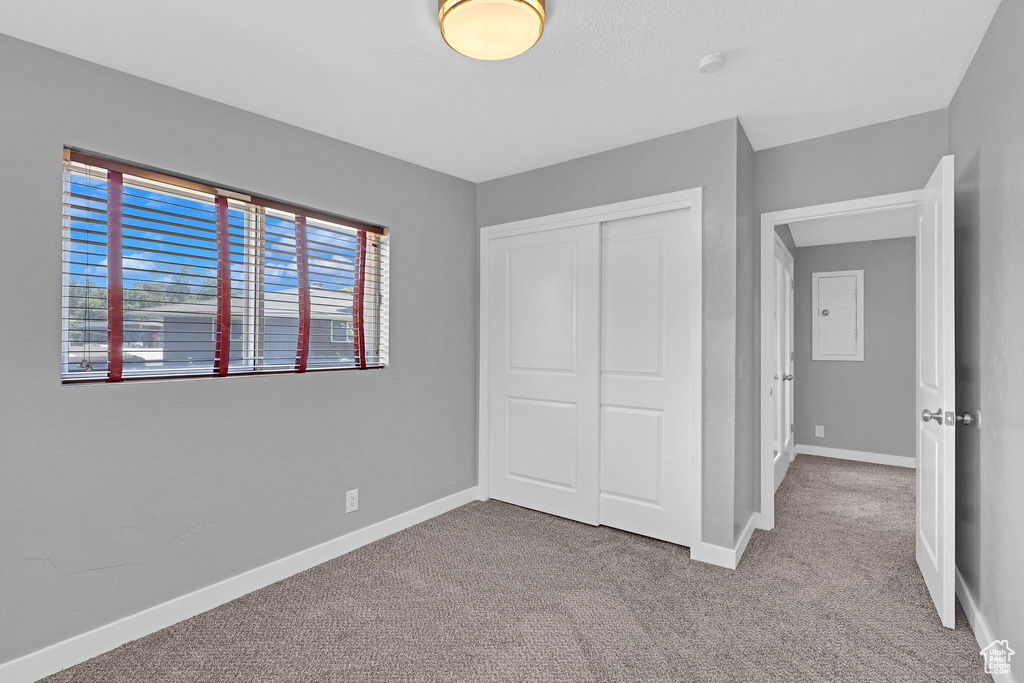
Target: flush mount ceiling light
(491, 29)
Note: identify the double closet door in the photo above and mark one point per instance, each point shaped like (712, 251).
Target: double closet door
(593, 336)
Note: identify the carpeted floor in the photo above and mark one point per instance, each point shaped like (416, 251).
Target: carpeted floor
(493, 592)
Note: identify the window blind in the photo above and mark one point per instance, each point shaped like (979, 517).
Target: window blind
(167, 277)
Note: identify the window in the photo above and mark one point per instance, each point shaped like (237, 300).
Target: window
(166, 277)
(341, 332)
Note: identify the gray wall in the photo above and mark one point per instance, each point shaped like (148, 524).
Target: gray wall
(704, 157)
(748, 464)
(895, 156)
(986, 135)
(118, 497)
(865, 405)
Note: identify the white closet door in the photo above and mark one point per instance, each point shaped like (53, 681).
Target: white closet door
(544, 385)
(648, 337)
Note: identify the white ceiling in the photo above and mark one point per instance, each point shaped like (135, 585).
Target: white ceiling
(856, 227)
(606, 73)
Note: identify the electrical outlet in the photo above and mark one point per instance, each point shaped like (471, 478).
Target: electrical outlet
(819, 430)
(351, 500)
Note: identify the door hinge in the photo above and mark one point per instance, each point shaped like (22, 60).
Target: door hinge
(790, 429)
(792, 355)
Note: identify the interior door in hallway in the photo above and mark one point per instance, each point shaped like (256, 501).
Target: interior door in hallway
(936, 391)
(650, 339)
(544, 386)
(782, 387)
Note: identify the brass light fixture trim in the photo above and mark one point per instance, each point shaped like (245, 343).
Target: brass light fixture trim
(491, 29)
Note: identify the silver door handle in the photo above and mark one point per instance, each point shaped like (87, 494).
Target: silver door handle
(965, 418)
(927, 415)
(787, 378)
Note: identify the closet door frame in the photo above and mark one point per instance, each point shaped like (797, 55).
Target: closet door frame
(686, 199)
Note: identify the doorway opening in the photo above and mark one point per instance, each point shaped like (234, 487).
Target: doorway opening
(835, 316)
(844, 338)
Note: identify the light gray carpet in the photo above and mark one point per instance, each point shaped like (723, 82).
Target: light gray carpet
(492, 592)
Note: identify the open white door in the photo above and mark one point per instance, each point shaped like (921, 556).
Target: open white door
(782, 388)
(543, 338)
(936, 390)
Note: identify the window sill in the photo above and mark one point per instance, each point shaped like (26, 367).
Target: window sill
(92, 381)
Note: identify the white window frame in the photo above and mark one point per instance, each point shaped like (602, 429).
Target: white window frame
(348, 337)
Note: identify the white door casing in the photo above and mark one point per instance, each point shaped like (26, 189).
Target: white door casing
(936, 391)
(544, 384)
(784, 438)
(646, 374)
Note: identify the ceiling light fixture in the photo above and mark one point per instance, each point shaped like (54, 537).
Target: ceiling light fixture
(491, 29)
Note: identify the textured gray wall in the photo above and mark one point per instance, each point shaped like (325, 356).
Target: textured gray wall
(115, 498)
(865, 405)
(986, 135)
(703, 157)
(748, 440)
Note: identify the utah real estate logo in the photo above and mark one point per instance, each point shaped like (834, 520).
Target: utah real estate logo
(997, 657)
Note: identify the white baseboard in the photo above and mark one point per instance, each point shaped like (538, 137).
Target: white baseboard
(862, 456)
(720, 555)
(748, 531)
(982, 633)
(77, 649)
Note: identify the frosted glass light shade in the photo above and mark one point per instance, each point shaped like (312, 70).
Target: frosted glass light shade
(491, 29)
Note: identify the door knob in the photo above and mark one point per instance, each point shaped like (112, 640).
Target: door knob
(927, 415)
(787, 378)
(965, 418)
